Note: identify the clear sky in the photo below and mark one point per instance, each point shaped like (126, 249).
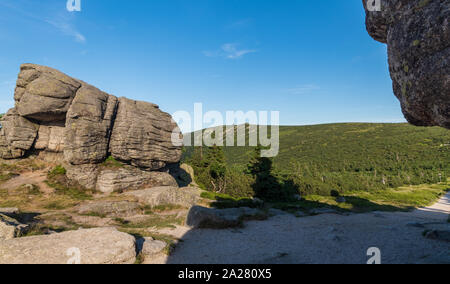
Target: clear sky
(311, 60)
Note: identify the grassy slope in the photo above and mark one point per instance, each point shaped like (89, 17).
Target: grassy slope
(357, 145)
(354, 147)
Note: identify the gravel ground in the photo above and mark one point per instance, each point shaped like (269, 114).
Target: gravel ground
(326, 238)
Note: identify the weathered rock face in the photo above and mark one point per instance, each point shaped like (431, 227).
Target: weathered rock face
(43, 93)
(72, 120)
(147, 145)
(85, 175)
(17, 135)
(418, 37)
(95, 246)
(88, 126)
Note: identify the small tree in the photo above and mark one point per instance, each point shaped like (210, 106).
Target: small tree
(217, 168)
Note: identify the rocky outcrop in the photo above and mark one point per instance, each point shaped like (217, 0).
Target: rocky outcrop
(146, 145)
(418, 38)
(93, 246)
(17, 135)
(157, 196)
(82, 126)
(10, 228)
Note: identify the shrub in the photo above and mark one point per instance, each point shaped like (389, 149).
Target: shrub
(57, 171)
(111, 162)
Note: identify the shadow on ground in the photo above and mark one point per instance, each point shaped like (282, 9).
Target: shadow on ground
(323, 238)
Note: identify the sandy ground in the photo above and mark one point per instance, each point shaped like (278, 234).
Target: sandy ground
(37, 178)
(326, 238)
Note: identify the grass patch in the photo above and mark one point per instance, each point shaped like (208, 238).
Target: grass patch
(71, 192)
(121, 221)
(139, 259)
(57, 171)
(111, 162)
(94, 214)
(57, 179)
(7, 176)
(399, 199)
(56, 205)
(62, 223)
(165, 208)
(7, 172)
(153, 221)
(30, 164)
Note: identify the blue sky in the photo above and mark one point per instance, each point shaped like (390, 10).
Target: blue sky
(311, 60)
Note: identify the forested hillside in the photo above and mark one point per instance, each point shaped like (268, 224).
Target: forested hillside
(343, 157)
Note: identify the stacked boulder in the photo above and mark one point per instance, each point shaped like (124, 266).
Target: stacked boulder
(59, 116)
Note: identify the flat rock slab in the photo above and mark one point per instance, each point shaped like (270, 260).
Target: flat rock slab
(201, 217)
(93, 246)
(129, 178)
(10, 228)
(110, 209)
(166, 195)
(11, 212)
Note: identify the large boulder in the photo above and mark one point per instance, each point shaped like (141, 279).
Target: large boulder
(10, 228)
(17, 135)
(150, 249)
(167, 195)
(69, 122)
(418, 38)
(142, 135)
(88, 126)
(129, 178)
(43, 93)
(85, 175)
(93, 246)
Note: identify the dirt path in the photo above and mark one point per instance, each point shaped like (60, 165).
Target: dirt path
(36, 177)
(326, 238)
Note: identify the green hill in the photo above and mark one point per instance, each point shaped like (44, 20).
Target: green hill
(353, 156)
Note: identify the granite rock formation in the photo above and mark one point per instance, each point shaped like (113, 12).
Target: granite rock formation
(417, 34)
(59, 115)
